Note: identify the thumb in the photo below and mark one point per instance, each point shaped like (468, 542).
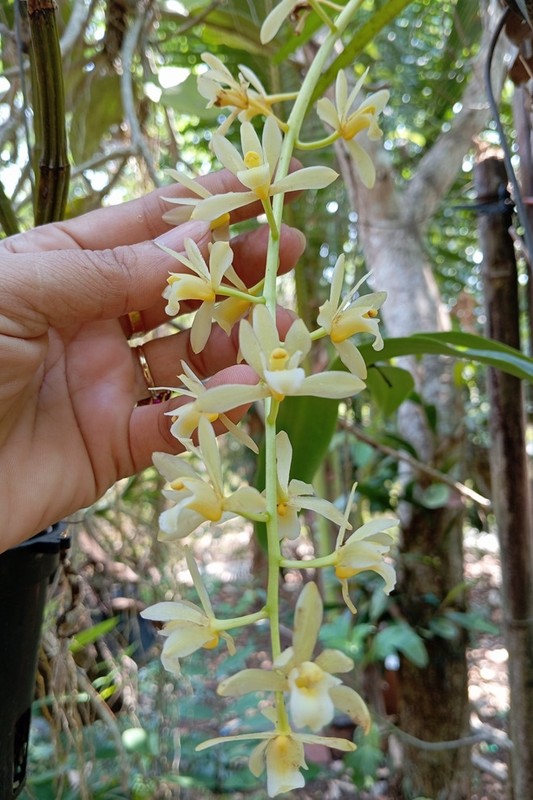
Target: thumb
(64, 287)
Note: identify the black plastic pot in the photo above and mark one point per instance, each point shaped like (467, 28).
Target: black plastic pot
(25, 573)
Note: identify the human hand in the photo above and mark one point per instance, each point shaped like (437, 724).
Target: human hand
(70, 425)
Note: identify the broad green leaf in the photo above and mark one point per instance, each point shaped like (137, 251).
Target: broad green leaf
(232, 31)
(389, 387)
(460, 345)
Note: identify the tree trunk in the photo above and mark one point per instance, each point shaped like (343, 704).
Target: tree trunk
(511, 493)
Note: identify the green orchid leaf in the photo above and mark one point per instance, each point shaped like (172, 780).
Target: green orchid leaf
(389, 387)
(460, 345)
(401, 638)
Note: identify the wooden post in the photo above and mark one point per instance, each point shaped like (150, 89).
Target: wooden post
(510, 484)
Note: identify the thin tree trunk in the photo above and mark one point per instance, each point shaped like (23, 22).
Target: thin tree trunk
(511, 492)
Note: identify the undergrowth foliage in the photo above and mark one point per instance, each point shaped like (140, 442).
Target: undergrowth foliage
(305, 687)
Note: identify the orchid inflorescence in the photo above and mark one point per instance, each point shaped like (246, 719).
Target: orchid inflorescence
(305, 686)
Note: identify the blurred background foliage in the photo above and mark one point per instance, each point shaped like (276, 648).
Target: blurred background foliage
(109, 722)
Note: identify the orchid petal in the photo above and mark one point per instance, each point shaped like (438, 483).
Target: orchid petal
(227, 154)
(223, 398)
(349, 702)
(307, 621)
(274, 20)
(335, 385)
(251, 680)
(283, 460)
(305, 178)
(363, 162)
(216, 206)
(334, 661)
(172, 611)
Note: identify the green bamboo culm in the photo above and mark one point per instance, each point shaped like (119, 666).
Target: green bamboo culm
(52, 169)
(8, 218)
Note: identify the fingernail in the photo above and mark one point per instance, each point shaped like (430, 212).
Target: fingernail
(193, 229)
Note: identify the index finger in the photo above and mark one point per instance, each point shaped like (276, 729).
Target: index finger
(125, 224)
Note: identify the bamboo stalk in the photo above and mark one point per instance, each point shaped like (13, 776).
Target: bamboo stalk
(52, 170)
(8, 218)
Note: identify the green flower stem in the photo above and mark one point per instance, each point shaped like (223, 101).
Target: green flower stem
(312, 563)
(282, 97)
(228, 291)
(319, 144)
(317, 8)
(318, 334)
(273, 543)
(294, 126)
(239, 622)
(274, 215)
(274, 227)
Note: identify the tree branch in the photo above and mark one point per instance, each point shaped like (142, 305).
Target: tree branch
(438, 168)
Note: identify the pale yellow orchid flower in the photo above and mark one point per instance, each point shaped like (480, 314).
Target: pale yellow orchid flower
(203, 284)
(185, 418)
(246, 95)
(256, 170)
(277, 364)
(348, 124)
(364, 551)
(314, 692)
(187, 627)
(293, 495)
(198, 500)
(281, 751)
(343, 318)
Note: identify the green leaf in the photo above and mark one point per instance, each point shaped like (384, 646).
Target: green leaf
(401, 638)
(472, 621)
(90, 635)
(460, 345)
(443, 627)
(389, 387)
(434, 496)
(233, 31)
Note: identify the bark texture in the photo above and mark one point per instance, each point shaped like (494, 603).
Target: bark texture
(510, 481)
